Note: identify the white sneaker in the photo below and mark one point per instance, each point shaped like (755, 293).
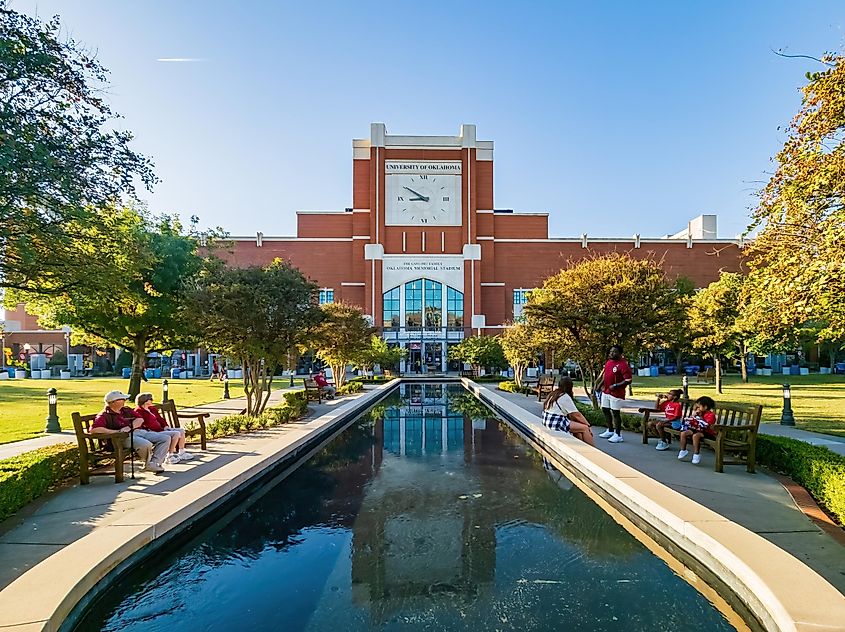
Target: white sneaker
(616, 439)
(152, 466)
(607, 434)
(683, 454)
(662, 445)
(185, 456)
(172, 459)
(696, 459)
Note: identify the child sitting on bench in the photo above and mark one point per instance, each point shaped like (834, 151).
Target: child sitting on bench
(698, 426)
(670, 405)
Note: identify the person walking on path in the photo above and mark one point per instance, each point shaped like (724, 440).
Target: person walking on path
(615, 379)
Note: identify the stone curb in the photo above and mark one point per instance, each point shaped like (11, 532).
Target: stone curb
(779, 591)
(44, 596)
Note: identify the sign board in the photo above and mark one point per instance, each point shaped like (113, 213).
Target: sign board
(399, 269)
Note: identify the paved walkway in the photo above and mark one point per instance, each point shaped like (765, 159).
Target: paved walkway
(758, 502)
(51, 523)
(67, 435)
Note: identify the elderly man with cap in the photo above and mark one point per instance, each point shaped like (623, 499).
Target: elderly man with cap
(117, 417)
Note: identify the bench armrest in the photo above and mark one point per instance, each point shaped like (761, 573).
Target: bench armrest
(191, 415)
(649, 410)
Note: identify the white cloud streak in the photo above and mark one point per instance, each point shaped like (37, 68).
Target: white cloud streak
(179, 59)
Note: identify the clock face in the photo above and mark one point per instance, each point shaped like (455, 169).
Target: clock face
(423, 199)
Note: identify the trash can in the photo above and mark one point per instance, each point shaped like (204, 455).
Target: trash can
(157, 373)
(127, 372)
(174, 373)
(148, 373)
(654, 371)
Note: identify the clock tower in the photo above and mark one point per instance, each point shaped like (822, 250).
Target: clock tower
(417, 201)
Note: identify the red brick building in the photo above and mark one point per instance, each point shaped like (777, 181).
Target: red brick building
(424, 251)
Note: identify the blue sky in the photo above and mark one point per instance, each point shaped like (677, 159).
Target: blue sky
(615, 117)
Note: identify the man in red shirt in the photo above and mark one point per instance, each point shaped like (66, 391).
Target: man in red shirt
(116, 417)
(617, 377)
(323, 384)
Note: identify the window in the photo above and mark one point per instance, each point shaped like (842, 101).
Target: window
(326, 295)
(520, 298)
(454, 308)
(433, 304)
(390, 308)
(413, 303)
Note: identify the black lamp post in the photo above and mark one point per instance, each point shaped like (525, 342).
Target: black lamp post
(52, 417)
(164, 388)
(787, 418)
(685, 384)
(226, 387)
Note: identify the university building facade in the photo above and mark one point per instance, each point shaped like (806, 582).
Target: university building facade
(426, 254)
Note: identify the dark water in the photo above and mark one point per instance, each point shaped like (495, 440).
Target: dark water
(425, 515)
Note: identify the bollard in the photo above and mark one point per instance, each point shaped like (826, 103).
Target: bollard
(165, 387)
(786, 417)
(52, 416)
(685, 384)
(226, 387)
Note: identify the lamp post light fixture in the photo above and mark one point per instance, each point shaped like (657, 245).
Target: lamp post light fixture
(164, 388)
(685, 384)
(786, 417)
(226, 387)
(52, 417)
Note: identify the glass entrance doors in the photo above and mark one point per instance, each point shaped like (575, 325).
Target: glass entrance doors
(434, 356)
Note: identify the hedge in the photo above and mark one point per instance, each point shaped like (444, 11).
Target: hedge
(511, 387)
(25, 477)
(819, 470)
(350, 387)
(295, 407)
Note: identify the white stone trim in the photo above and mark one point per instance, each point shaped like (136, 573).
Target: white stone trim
(485, 211)
(361, 237)
(484, 237)
(319, 212)
(351, 284)
(373, 252)
(472, 252)
(493, 284)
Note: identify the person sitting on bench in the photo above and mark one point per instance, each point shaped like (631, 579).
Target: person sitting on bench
(119, 418)
(322, 383)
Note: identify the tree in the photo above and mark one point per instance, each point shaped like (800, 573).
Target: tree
(135, 302)
(341, 338)
(379, 352)
(599, 302)
(258, 315)
(674, 334)
(480, 352)
(521, 346)
(716, 324)
(61, 169)
(797, 277)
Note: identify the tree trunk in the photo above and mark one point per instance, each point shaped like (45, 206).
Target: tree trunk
(138, 355)
(831, 350)
(339, 374)
(743, 363)
(518, 368)
(718, 363)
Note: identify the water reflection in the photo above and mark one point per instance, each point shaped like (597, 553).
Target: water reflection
(427, 513)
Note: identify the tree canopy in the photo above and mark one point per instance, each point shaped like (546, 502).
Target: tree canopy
(61, 167)
(599, 302)
(258, 315)
(797, 278)
(135, 301)
(341, 338)
(521, 346)
(480, 352)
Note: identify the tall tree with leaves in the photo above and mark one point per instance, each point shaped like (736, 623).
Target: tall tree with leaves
(716, 324)
(257, 315)
(599, 302)
(521, 347)
(61, 167)
(797, 278)
(135, 301)
(341, 338)
(479, 352)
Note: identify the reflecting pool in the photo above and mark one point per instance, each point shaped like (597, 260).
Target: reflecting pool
(426, 514)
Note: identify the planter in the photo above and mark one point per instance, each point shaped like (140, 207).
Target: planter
(786, 370)
(765, 371)
(189, 374)
(46, 374)
(4, 376)
(825, 370)
(20, 374)
(65, 375)
(805, 370)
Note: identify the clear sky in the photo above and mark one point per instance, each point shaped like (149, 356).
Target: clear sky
(615, 117)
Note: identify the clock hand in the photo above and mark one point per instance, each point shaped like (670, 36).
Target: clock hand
(419, 195)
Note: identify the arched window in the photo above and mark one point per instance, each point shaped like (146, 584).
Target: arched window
(454, 307)
(390, 308)
(413, 303)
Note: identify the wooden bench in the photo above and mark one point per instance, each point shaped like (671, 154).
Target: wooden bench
(312, 391)
(736, 431)
(545, 385)
(174, 420)
(707, 376)
(92, 454)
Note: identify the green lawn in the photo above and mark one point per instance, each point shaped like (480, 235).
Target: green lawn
(818, 401)
(23, 403)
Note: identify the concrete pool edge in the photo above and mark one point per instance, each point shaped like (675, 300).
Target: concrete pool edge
(778, 590)
(45, 596)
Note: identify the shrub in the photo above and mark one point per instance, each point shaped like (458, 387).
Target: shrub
(510, 386)
(819, 470)
(489, 378)
(25, 477)
(350, 387)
